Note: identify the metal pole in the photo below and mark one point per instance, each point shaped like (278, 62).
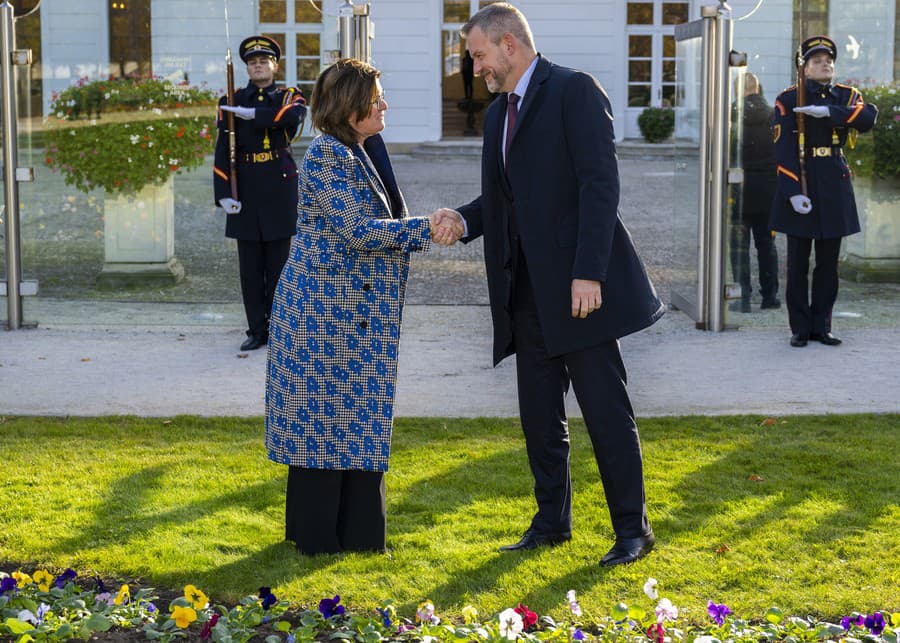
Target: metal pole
(707, 64)
(363, 33)
(10, 163)
(718, 167)
(346, 29)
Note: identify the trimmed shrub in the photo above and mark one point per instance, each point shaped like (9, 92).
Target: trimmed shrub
(657, 123)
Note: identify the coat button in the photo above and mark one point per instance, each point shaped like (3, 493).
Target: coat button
(367, 287)
(363, 324)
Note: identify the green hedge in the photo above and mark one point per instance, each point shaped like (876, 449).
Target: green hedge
(657, 123)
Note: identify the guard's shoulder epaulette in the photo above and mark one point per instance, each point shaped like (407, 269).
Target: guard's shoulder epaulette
(290, 94)
(791, 88)
(849, 88)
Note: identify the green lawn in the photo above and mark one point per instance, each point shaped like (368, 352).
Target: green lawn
(799, 512)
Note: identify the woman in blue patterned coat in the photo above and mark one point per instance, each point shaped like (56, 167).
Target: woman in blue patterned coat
(335, 323)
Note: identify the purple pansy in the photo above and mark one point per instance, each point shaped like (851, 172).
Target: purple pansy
(64, 578)
(7, 583)
(267, 597)
(875, 623)
(578, 635)
(855, 619)
(718, 612)
(331, 607)
(385, 617)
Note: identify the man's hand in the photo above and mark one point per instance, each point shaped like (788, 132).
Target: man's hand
(801, 203)
(446, 226)
(230, 205)
(247, 113)
(816, 111)
(586, 297)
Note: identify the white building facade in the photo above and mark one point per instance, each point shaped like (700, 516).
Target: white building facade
(628, 46)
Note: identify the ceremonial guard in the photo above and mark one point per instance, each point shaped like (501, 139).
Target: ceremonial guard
(814, 204)
(255, 178)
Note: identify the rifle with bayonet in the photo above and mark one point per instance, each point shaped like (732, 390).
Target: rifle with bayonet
(801, 119)
(229, 122)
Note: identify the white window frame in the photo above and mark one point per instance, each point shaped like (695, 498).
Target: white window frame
(289, 57)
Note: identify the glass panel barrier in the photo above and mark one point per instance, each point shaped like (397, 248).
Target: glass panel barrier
(687, 197)
(119, 224)
(865, 34)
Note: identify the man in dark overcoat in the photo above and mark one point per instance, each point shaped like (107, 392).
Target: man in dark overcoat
(564, 280)
(826, 213)
(264, 216)
(753, 199)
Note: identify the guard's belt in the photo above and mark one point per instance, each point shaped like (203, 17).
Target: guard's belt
(264, 157)
(827, 150)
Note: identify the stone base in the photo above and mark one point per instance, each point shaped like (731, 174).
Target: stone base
(140, 275)
(868, 270)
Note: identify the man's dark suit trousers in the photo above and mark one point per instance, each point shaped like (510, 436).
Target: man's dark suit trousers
(598, 378)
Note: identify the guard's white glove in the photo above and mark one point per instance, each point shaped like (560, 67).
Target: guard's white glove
(816, 111)
(800, 203)
(230, 205)
(247, 113)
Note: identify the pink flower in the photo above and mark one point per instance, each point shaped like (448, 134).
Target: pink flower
(529, 618)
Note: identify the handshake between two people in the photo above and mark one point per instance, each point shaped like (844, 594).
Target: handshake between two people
(447, 226)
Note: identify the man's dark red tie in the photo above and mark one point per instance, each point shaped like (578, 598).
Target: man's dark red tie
(512, 112)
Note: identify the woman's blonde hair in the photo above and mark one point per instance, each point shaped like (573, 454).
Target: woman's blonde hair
(343, 92)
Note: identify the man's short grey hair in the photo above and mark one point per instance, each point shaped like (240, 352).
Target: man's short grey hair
(497, 19)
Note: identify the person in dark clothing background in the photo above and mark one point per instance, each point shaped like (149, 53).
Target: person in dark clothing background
(264, 218)
(753, 200)
(467, 70)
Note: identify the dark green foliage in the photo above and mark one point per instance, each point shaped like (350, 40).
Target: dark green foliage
(657, 123)
(122, 135)
(877, 152)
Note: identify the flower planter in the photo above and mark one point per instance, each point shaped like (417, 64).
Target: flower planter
(139, 239)
(873, 255)
(129, 138)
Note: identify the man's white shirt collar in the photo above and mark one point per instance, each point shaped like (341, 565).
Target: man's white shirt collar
(522, 85)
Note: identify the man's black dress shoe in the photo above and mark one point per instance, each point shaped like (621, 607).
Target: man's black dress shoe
(770, 303)
(826, 338)
(628, 550)
(532, 539)
(253, 342)
(798, 340)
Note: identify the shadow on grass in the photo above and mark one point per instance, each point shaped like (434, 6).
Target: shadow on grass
(770, 494)
(755, 492)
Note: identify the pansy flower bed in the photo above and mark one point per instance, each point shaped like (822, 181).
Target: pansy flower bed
(45, 607)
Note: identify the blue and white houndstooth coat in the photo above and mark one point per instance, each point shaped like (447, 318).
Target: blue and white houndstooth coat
(335, 323)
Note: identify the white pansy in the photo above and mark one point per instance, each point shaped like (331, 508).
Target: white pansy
(27, 616)
(510, 624)
(665, 611)
(650, 588)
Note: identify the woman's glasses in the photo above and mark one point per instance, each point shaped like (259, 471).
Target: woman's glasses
(379, 101)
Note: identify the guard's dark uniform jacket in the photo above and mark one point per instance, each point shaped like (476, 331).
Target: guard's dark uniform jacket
(828, 175)
(267, 174)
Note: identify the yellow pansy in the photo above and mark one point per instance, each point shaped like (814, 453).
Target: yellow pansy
(196, 596)
(22, 578)
(43, 580)
(895, 620)
(183, 616)
(469, 613)
(123, 596)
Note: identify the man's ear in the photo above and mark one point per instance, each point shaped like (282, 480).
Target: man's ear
(508, 42)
